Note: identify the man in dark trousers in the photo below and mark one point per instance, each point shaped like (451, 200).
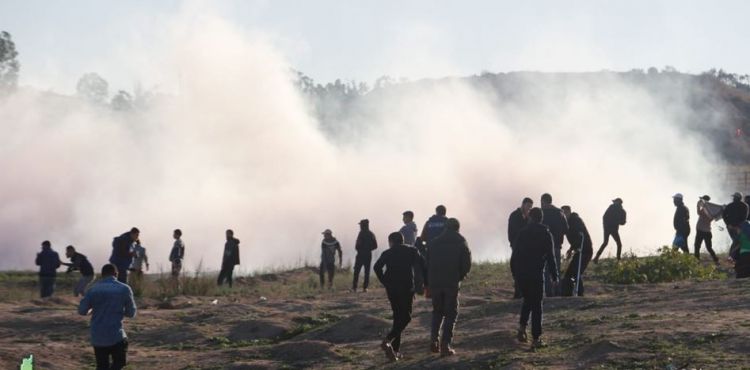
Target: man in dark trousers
(733, 215)
(614, 217)
(79, 262)
(366, 243)
(741, 252)
(108, 301)
(580, 246)
(328, 249)
(122, 253)
(230, 259)
(48, 261)
(516, 222)
(400, 261)
(434, 225)
(558, 226)
(449, 260)
(681, 224)
(703, 229)
(533, 254)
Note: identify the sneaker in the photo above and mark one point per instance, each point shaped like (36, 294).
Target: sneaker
(399, 356)
(447, 351)
(521, 336)
(538, 343)
(435, 346)
(388, 349)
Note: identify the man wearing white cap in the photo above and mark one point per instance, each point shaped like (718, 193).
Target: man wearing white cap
(681, 224)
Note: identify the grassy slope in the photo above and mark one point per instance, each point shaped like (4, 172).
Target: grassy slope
(679, 325)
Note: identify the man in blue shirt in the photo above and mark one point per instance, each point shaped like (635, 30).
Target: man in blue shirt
(108, 301)
(48, 262)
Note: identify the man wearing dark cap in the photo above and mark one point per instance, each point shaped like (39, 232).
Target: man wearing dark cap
(365, 244)
(328, 249)
(517, 220)
(703, 229)
(558, 226)
(614, 217)
(533, 255)
(681, 223)
(401, 261)
(449, 261)
(734, 214)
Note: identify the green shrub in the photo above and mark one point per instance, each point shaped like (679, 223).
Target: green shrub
(670, 265)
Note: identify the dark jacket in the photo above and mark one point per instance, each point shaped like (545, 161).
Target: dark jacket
(400, 263)
(681, 220)
(558, 225)
(121, 255)
(576, 229)
(735, 213)
(614, 216)
(433, 228)
(328, 249)
(81, 263)
(534, 250)
(516, 222)
(366, 242)
(449, 260)
(48, 262)
(231, 253)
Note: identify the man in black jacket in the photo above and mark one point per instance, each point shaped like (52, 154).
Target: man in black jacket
(516, 222)
(449, 260)
(366, 243)
(79, 262)
(614, 217)
(400, 261)
(558, 226)
(580, 244)
(230, 259)
(681, 224)
(533, 254)
(734, 214)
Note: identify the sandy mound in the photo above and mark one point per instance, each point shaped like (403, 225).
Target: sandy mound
(169, 335)
(599, 350)
(304, 351)
(355, 328)
(256, 329)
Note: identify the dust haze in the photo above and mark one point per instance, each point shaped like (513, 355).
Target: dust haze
(233, 144)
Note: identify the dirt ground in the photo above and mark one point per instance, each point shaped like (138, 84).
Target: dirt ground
(692, 325)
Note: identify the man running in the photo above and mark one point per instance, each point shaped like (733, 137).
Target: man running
(449, 261)
(366, 243)
(533, 254)
(580, 244)
(614, 217)
(400, 261)
(230, 258)
(329, 247)
(48, 261)
(681, 224)
(108, 301)
(79, 262)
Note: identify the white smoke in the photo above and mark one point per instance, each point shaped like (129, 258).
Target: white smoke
(234, 146)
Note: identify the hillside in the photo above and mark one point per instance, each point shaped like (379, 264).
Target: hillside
(280, 320)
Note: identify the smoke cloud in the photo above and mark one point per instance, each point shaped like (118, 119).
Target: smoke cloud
(235, 146)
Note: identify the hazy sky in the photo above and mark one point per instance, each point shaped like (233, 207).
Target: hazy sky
(60, 40)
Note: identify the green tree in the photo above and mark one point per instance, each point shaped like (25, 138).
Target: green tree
(92, 88)
(122, 101)
(9, 65)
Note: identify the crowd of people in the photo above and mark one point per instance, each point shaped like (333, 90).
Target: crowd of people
(433, 263)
